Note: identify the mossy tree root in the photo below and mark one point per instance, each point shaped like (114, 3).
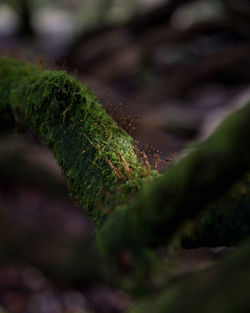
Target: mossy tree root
(223, 288)
(225, 223)
(97, 157)
(185, 190)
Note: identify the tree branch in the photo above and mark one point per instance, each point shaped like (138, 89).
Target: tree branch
(222, 288)
(182, 192)
(97, 157)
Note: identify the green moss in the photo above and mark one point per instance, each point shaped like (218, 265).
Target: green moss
(223, 288)
(225, 223)
(97, 157)
(183, 192)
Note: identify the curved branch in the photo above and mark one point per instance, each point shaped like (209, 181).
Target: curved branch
(99, 161)
(221, 289)
(184, 191)
(96, 156)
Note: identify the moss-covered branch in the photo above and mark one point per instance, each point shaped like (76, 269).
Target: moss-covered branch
(224, 288)
(96, 156)
(98, 159)
(183, 192)
(226, 222)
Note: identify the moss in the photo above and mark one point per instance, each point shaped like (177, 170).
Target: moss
(96, 156)
(98, 159)
(223, 288)
(225, 223)
(183, 192)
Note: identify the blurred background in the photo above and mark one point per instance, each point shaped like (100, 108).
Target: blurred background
(171, 64)
(167, 71)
